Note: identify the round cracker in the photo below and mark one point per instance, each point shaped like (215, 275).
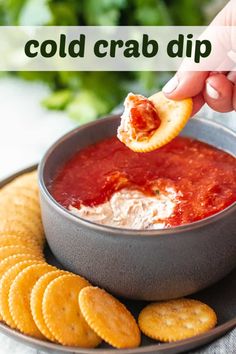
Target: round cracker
(109, 318)
(19, 298)
(12, 190)
(31, 223)
(173, 115)
(28, 176)
(18, 194)
(34, 225)
(9, 208)
(11, 250)
(29, 227)
(21, 234)
(10, 261)
(16, 221)
(17, 199)
(176, 319)
(62, 313)
(22, 191)
(19, 216)
(14, 227)
(5, 285)
(28, 180)
(14, 240)
(36, 300)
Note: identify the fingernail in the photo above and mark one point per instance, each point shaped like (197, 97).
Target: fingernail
(212, 92)
(171, 85)
(232, 76)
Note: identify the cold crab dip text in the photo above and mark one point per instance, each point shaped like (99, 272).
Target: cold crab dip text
(182, 182)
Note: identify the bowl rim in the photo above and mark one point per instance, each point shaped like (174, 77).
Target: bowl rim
(115, 231)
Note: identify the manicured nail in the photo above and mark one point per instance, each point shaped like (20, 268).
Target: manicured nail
(232, 76)
(171, 85)
(212, 92)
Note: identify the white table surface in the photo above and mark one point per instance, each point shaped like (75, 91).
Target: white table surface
(26, 131)
(26, 128)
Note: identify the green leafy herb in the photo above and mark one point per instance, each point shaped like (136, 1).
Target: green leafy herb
(88, 95)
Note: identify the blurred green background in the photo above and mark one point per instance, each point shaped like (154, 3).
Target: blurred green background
(88, 95)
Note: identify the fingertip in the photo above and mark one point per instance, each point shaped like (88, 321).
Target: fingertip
(218, 93)
(232, 76)
(185, 84)
(171, 85)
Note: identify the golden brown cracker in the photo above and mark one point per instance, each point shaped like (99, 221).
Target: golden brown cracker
(19, 195)
(28, 180)
(13, 226)
(62, 313)
(11, 201)
(29, 227)
(175, 320)
(22, 191)
(23, 235)
(5, 285)
(12, 250)
(10, 261)
(173, 116)
(109, 318)
(19, 298)
(8, 208)
(33, 225)
(19, 233)
(14, 240)
(19, 198)
(15, 221)
(36, 300)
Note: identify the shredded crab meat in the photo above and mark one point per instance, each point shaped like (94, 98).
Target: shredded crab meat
(139, 120)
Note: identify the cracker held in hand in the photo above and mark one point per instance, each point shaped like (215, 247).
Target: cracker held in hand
(109, 318)
(62, 314)
(176, 319)
(148, 124)
(19, 298)
(36, 301)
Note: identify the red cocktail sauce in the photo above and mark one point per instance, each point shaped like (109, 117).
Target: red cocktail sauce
(204, 176)
(144, 118)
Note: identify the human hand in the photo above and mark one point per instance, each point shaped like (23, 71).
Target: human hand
(217, 89)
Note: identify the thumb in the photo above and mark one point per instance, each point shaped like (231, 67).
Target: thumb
(185, 84)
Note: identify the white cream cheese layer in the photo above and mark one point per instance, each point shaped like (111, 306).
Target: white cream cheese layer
(132, 209)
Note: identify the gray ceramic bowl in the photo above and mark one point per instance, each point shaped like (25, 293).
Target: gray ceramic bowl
(145, 265)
